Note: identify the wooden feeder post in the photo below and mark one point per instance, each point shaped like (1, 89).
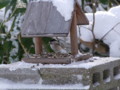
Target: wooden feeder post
(38, 45)
(73, 36)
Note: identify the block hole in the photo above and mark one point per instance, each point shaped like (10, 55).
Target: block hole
(116, 72)
(106, 75)
(96, 78)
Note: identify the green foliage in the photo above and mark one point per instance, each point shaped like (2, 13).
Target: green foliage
(12, 46)
(46, 44)
(4, 3)
(104, 1)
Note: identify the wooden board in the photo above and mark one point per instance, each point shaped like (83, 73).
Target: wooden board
(38, 45)
(56, 61)
(73, 36)
(47, 60)
(43, 19)
(81, 18)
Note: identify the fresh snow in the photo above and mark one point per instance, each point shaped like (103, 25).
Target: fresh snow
(104, 23)
(115, 11)
(81, 64)
(64, 7)
(2, 11)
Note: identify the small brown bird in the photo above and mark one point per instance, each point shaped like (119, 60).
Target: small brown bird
(57, 47)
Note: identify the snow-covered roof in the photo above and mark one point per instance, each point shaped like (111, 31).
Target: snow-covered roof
(51, 17)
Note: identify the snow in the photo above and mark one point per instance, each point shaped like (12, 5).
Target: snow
(117, 77)
(7, 84)
(20, 4)
(115, 11)
(2, 11)
(115, 48)
(105, 21)
(64, 7)
(88, 9)
(107, 80)
(94, 61)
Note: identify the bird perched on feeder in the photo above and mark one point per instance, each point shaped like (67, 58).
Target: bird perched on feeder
(57, 47)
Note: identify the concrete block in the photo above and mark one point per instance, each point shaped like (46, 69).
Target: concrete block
(100, 74)
(61, 76)
(25, 75)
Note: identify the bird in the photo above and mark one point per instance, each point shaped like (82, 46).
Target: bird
(57, 47)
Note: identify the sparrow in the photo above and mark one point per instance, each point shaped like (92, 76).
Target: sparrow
(57, 47)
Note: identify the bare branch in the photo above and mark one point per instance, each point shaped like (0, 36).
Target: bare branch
(20, 41)
(109, 31)
(93, 25)
(87, 28)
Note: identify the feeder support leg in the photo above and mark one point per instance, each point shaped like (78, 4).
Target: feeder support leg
(73, 36)
(38, 45)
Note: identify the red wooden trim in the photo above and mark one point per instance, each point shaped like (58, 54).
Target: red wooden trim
(38, 45)
(47, 60)
(73, 35)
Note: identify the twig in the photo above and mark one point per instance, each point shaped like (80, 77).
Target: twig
(117, 2)
(109, 31)
(93, 25)
(8, 20)
(117, 32)
(79, 30)
(87, 28)
(20, 41)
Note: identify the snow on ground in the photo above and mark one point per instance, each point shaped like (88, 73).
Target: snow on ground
(104, 23)
(64, 7)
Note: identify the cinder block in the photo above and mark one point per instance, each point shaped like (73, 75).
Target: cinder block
(61, 76)
(102, 74)
(25, 75)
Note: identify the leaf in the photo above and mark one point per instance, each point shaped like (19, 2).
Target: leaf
(104, 1)
(11, 6)
(3, 3)
(25, 1)
(46, 41)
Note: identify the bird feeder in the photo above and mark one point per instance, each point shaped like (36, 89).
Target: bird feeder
(42, 19)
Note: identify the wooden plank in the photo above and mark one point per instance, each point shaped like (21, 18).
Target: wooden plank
(23, 27)
(29, 21)
(38, 45)
(83, 57)
(37, 12)
(44, 35)
(42, 20)
(66, 26)
(73, 36)
(81, 18)
(47, 60)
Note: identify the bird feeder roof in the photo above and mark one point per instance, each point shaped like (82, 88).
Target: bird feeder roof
(43, 19)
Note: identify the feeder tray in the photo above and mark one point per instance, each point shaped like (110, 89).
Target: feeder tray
(55, 60)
